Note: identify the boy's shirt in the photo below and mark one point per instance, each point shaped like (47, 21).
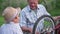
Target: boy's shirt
(11, 28)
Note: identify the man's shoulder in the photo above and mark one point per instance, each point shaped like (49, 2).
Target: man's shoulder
(41, 5)
(25, 8)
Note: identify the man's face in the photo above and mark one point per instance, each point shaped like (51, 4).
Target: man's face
(33, 4)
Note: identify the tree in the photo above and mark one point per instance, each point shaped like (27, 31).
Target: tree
(49, 4)
(13, 3)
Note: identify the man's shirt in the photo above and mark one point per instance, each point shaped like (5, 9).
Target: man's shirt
(28, 17)
(11, 28)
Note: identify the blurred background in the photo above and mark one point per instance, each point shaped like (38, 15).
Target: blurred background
(52, 6)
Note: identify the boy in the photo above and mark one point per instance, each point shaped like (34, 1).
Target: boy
(11, 16)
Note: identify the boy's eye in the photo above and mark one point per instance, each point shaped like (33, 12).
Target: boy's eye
(15, 17)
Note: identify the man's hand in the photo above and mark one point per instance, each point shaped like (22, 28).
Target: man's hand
(37, 33)
(25, 29)
(30, 30)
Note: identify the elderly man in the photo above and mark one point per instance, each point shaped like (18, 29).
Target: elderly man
(30, 14)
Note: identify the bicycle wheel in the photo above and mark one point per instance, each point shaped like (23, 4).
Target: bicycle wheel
(48, 25)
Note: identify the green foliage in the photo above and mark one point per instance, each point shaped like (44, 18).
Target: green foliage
(1, 20)
(40, 1)
(47, 23)
(55, 12)
(23, 3)
(49, 4)
(13, 3)
(57, 3)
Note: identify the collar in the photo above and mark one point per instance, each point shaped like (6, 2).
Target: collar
(14, 23)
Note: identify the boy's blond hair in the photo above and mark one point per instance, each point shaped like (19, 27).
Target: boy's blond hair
(18, 8)
(10, 13)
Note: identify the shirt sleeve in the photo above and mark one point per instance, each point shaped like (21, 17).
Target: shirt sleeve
(22, 19)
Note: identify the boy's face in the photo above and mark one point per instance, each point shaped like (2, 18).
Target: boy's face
(16, 19)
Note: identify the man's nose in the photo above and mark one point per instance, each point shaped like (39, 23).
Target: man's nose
(32, 4)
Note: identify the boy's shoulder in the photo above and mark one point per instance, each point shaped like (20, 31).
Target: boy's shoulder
(6, 27)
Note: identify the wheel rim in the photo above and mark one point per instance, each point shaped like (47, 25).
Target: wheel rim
(36, 23)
